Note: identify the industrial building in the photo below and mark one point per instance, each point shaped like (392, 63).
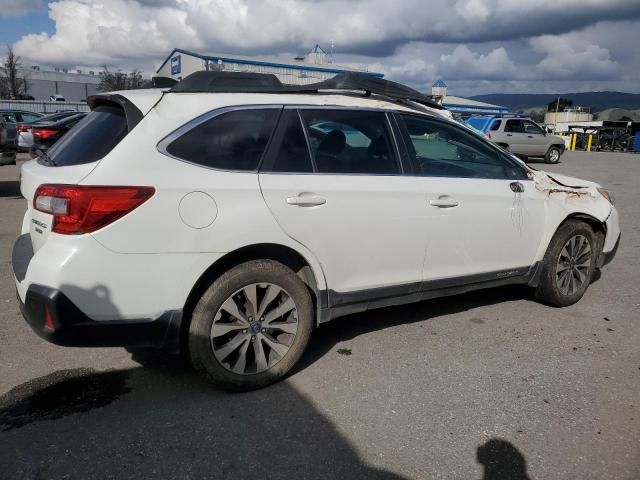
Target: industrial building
(310, 68)
(73, 86)
(463, 107)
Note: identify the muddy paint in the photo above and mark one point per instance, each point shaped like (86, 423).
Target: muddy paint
(60, 394)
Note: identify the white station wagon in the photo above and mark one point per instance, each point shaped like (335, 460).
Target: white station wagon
(229, 215)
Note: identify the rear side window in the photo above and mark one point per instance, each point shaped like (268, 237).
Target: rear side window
(234, 140)
(91, 139)
(345, 141)
(290, 150)
(514, 126)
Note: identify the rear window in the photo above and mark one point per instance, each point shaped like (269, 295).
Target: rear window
(234, 140)
(91, 138)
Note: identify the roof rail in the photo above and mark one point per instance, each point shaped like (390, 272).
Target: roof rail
(248, 82)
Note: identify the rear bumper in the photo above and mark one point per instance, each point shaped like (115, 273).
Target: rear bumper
(69, 326)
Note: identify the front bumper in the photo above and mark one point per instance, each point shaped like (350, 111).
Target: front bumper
(606, 258)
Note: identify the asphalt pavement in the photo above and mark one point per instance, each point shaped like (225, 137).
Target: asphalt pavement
(485, 385)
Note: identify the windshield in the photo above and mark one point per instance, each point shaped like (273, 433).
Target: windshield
(92, 138)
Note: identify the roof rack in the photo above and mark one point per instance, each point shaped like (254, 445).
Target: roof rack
(248, 82)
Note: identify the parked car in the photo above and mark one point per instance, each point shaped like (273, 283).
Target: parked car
(46, 134)
(8, 140)
(230, 215)
(520, 136)
(57, 98)
(20, 118)
(25, 137)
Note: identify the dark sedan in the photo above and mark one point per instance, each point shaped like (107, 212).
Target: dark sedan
(46, 135)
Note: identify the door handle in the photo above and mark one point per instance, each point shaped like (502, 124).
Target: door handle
(306, 200)
(443, 202)
(530, 136)
(509, 135)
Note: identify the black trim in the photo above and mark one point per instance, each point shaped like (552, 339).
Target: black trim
(73, 328)
(248, 82)
(605, 258)
(352, 302)
(21, 256)
(131, 112)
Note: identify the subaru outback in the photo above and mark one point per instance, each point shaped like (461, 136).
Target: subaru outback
(229, 215)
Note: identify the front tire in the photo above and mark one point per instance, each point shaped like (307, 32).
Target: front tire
(568, 265)
(251, 326)
(553, 155)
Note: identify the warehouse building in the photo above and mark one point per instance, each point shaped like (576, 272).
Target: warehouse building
(73, 86)
(463, 107)
(310, 68)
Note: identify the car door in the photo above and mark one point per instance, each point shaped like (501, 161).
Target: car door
(334, 183)
(535, 138)
(484, 215)
(515, 137)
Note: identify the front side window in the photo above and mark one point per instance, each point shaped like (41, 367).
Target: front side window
(532, 128)
(440, 149)
(233, 140)
(350, 142)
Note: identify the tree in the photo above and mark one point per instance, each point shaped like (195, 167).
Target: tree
(120, 81)
(13, 83)
(559, 104)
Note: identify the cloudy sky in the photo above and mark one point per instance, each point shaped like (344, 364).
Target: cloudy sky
(476, 46)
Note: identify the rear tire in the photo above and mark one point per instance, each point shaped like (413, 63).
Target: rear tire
(553, 155)
(251, 326)
(568, 265)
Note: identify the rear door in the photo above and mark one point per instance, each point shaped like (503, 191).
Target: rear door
(515, 137)
(334, 183)
(476, 224)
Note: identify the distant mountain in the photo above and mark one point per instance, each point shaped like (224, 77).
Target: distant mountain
(596, 100)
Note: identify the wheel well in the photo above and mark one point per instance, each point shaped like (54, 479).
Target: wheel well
(503, 145)
(599, 228)
(266, 251)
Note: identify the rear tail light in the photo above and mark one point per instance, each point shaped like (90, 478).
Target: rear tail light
(78, 209)
(43, 133)
(23, 128)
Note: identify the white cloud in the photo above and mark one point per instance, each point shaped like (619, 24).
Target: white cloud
(462, 63)
(481, 40)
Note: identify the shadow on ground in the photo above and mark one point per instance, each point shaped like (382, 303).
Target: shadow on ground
(165, 421)
(173, 424)
(349, 327)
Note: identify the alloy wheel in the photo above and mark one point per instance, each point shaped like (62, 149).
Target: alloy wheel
(573, 265)
(554, 156)
(254, 328)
